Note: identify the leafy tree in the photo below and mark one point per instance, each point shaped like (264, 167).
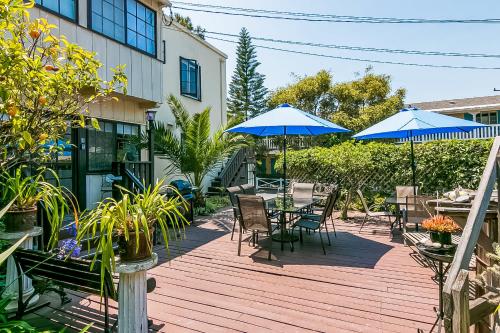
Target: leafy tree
(308, 93)
(366, 101)
(186, 22)
(195, 152)
(46, 83)
(355, 105)
(247, 94)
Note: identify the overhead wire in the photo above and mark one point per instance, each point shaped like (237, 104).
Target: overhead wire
(360, 48)
(359, 59)
(316, 17)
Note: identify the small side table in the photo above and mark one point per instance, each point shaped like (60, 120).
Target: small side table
(437, 260)
(11, 278)
(132, 300)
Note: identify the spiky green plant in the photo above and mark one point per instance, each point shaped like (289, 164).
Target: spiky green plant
(27, 190)
(133, 213)
(195, 152)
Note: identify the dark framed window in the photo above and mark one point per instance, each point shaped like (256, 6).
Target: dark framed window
(101, 144)
(108, 18)
(126, 21)
(113, 142)
(141, 31)
(126, 142)
(65, 8)
(190, 78)
(487, 118)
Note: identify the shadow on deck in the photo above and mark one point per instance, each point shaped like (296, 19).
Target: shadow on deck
(367, 282)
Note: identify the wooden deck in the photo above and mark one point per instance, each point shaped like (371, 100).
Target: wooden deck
(367, 282)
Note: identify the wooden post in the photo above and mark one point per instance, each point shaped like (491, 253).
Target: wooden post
(460, 296)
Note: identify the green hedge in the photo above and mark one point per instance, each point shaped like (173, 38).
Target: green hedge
(379, 167)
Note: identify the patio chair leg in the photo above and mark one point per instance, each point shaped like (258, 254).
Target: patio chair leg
(270, 247)
(300, 235)
(364, 221)
(327, 234)
(322, 244)
(239, 242)
(234, 227)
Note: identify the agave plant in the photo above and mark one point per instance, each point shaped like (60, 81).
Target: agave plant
(128, 218)
(195, 152)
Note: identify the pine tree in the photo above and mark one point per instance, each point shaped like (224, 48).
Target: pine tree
(247, 93)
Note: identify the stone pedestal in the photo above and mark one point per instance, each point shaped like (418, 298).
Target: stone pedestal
(11, 278)
(132, 301)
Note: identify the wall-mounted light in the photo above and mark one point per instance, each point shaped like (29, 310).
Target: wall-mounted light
(150, 115)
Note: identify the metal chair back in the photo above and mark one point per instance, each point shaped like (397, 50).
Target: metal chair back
(302, 191)
(330, 202)
(417, 209)
(363, 201)
(253, 213)
(405, 191)
(248, 189)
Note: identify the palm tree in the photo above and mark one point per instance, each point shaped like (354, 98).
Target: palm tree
(195, 152)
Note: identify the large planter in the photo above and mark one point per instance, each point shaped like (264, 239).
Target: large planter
(129, 251)
(441, 237)
(20, 220)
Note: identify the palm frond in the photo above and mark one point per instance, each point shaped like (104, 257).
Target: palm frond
(180, 113)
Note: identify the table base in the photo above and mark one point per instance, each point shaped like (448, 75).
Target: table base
(285, 238)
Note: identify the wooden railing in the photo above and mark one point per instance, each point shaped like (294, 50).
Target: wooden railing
(232, 167)
(459, 312)
(135, 175)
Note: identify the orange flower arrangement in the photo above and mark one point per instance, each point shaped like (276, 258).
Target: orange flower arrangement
(440, 223)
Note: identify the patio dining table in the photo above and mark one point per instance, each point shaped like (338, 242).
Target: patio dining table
(293, 207)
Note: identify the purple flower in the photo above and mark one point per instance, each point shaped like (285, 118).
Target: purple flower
(68, 246)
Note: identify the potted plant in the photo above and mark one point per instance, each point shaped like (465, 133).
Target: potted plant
(26, 191)
(440, 228)
(130, 222)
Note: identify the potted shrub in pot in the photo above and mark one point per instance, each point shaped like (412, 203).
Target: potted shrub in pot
(440, 228)
(26, 191)
(130, 223)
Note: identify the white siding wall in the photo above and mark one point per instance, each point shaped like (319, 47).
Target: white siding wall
(142, 83)
(213, 75)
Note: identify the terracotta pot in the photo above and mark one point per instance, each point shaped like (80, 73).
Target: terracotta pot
(20, 220)
(129, 251)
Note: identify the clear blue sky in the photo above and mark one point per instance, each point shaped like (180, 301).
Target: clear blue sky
(422, 84)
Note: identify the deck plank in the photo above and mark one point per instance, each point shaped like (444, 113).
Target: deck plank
(367, 282)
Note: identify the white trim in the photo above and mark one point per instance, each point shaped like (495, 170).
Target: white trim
(465, 108)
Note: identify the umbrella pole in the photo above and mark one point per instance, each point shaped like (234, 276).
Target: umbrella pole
(284, 169)
(413, 169)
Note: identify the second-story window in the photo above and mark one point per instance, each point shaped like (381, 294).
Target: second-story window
(140, 27)
(108, 18)
(66, 8)
(127, 21)
(190, 78)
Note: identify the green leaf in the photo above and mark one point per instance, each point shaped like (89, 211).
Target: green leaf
(95, 123)
(4, 255)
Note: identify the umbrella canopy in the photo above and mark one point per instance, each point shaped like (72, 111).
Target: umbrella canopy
(411, 122)
(287, 120)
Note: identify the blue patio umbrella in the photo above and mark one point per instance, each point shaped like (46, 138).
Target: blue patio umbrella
(286, 120)
(410, 122)
(283, 121)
